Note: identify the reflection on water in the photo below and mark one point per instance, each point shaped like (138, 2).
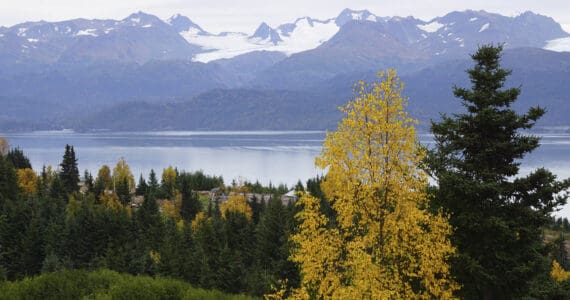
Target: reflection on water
(276, 156)
(279, 157)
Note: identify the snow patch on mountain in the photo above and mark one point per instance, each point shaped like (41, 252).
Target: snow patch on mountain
(431, 27)
(484, 27)
(558, 45)
(307, 34)
(362, 15)
(89, 32)
(224, 45)
(22, 31)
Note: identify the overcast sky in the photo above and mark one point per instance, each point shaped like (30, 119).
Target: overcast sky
(246, 15)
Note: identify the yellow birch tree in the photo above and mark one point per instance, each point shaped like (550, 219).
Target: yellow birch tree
(383, 244)
(27, 181)
(236, 203)
(121, 172)
(104, 175)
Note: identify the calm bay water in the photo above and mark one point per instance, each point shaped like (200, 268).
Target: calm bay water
(276, 156)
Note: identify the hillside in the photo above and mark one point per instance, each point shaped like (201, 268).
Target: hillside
(429, 91)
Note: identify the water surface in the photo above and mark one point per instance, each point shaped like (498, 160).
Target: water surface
(267, 156)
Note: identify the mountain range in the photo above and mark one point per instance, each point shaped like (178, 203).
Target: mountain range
(144, 73)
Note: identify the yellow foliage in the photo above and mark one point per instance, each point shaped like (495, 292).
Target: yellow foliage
(318, 252)
(200, 219)
(121, 172)
(27, 181)
(169, 178)
(236, 203)
(154, 256)
(278, 292)
(169, 174)
(384, 244)
(180, 225)
(111, 200)
(172, 208)
(558, 273)
(104, 175)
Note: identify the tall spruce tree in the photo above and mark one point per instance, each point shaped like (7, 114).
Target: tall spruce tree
(141, 187)
(497, 214)
(153, 185)
(69, 172)
(88, 179)
(8, 181)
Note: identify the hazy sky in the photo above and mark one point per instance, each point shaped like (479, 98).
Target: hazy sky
(246, 15)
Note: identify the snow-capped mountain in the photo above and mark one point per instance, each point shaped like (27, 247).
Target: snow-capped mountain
(138, 38)
(303, 34)
(453, 34)
(141, 37)
(348, 15)
(184, 24)
(458, 33)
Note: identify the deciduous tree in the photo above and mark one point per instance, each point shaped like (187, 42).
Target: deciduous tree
(122, 173)
(104, 178)
(236, 203)
(168, 183)
(383, 242)
(27, 181)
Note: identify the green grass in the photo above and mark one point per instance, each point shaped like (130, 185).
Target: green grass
(204, 199)
(105, 284)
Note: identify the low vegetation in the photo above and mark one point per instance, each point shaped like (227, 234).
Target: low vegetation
(105, 284)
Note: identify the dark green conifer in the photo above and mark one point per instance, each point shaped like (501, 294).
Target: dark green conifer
(191, 204)
(88, 179)
(8, 181)
(69, 173)
(141, 187)
(497, 219)
(18, 159)
(153, 185)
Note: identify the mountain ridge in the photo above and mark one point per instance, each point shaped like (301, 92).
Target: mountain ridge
(47, 42)
(73, 73)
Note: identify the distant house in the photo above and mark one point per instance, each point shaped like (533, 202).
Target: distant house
(217, 195)
(290, 197)
(137, 201)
